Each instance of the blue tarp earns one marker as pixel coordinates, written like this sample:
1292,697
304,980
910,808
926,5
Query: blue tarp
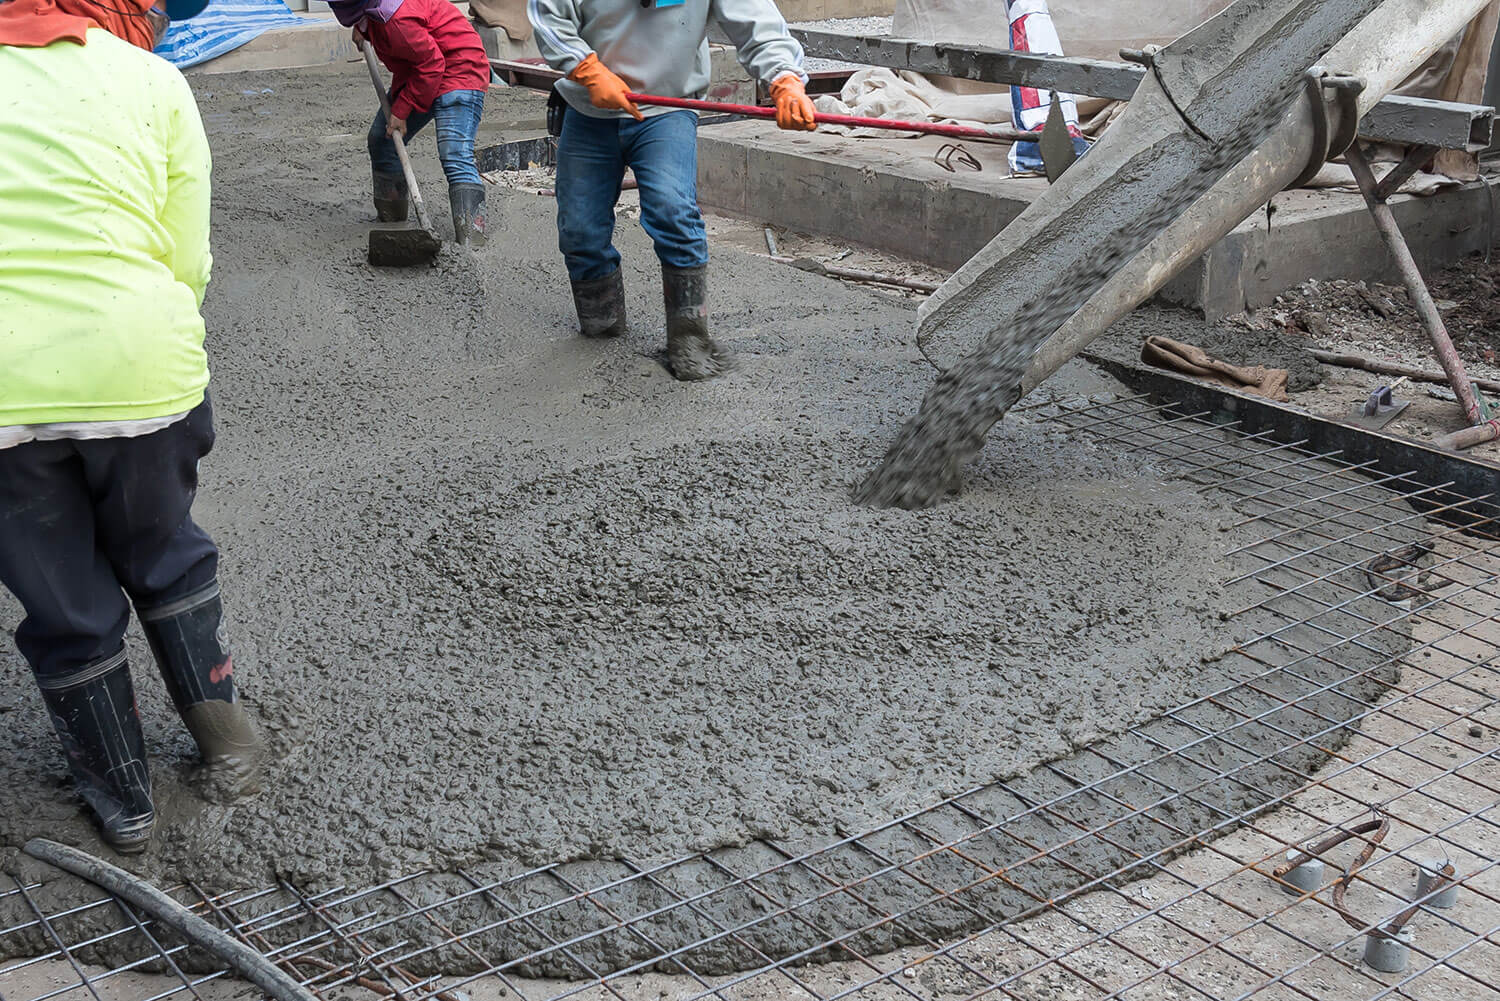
223,26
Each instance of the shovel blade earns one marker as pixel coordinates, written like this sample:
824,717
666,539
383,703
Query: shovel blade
1056,144
402,247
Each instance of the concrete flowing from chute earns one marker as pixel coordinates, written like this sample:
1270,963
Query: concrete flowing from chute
1213,97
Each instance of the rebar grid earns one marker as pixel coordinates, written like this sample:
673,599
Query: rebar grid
1135,868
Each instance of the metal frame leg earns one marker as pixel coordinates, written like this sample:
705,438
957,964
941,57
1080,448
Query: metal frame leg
1432,322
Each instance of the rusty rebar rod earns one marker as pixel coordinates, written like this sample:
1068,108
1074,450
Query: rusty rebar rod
1343,360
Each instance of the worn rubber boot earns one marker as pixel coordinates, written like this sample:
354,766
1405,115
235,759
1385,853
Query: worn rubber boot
601,305
390,197
93,710
691,352
467,202
187,636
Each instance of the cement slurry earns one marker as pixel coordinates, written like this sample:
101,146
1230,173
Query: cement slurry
503,597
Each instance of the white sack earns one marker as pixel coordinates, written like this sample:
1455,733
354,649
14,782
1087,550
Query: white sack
911,97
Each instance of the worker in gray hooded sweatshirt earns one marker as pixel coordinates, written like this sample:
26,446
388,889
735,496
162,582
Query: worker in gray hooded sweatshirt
609,49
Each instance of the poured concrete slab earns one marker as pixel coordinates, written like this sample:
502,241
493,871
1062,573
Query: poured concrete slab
503,597
887,194
890,194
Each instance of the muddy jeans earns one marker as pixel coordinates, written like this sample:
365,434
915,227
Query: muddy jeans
592,155
457,116
85,523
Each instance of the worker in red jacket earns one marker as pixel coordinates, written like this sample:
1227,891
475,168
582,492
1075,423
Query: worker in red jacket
439,73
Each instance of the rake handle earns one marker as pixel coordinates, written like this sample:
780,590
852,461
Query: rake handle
996,134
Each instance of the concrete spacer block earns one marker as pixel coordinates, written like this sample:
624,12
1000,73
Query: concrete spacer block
1428,876
1304,878
1387,954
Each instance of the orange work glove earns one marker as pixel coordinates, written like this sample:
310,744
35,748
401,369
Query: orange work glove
606,90
794,109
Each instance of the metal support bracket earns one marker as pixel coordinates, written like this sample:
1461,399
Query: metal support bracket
1415,159
1344,89
1397,119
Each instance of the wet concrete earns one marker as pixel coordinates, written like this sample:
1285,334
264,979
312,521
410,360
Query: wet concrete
504,597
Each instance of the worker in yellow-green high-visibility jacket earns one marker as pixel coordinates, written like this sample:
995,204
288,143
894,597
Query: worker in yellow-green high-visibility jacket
104,201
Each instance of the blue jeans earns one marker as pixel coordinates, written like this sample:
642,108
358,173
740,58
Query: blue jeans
592,155
457,115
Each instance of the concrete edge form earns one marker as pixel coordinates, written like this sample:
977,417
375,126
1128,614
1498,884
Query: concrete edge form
1256,416
319,41
1396,119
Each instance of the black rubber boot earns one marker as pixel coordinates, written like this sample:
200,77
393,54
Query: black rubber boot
691,352
390,197
187,637
467,203
93,710
601,305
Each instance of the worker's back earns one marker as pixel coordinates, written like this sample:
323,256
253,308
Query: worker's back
104,255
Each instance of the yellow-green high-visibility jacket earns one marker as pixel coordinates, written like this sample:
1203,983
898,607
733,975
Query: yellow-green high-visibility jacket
104,180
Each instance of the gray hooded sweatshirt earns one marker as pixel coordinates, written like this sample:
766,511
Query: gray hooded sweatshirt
659,48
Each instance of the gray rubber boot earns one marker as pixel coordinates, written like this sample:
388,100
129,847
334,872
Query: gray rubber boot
187,636
390,197
601,305
93,711
691,352
467,203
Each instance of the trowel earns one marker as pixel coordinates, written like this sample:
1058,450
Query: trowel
1381,408
400,246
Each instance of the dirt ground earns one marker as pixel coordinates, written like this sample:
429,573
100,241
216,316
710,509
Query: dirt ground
1377,321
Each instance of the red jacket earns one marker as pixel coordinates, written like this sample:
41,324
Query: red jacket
431,49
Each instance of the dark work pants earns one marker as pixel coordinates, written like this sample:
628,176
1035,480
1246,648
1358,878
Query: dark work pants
83,524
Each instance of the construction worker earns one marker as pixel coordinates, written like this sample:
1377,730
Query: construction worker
608,49
104,206
439,73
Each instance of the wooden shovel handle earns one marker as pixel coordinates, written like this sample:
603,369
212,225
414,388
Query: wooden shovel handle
385,105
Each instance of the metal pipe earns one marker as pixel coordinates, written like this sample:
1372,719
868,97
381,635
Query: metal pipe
855,274
1411,277
1396,38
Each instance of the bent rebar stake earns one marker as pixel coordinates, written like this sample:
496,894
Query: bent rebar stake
240,958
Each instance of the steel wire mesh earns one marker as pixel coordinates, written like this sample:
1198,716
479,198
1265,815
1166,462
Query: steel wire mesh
1141,866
